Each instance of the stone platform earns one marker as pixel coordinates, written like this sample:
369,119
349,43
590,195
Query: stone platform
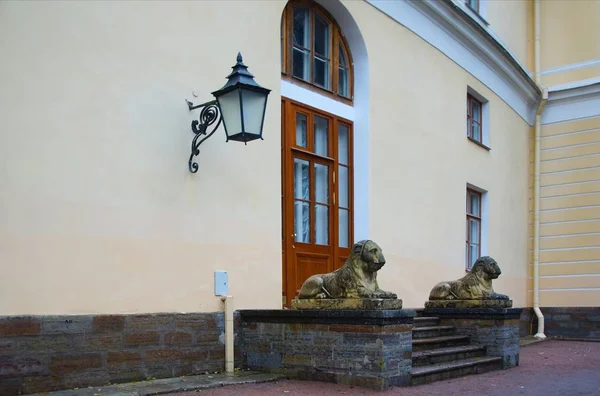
496,328
468,304
367,348
347,303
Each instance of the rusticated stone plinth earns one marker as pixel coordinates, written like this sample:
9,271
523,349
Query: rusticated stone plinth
347,303
367,348
494,327
468,304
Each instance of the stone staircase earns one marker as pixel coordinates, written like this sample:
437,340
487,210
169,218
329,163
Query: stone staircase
439,353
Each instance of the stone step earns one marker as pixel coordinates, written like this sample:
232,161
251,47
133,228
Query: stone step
424,344
441,355
424,321
443,371
432,331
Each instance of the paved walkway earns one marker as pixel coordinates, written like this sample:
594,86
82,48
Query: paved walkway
548,368
169,385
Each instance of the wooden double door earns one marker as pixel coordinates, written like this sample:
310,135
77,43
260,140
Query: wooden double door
316,193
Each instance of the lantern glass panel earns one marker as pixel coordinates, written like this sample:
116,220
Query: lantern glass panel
229,104
254,110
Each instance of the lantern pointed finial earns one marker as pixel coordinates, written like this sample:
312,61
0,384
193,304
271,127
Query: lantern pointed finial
239,58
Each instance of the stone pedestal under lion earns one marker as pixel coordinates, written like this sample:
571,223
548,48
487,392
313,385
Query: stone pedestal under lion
353,286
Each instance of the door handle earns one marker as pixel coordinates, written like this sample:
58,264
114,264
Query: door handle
294,235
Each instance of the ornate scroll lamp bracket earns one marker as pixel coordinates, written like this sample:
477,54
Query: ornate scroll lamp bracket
209,114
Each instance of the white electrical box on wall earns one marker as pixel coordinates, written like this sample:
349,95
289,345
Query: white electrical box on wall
221,283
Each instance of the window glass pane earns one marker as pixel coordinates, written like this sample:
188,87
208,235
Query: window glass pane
300,63
474,254
468,125
476,131
474,204
302,221
321,36
344,230
321,224
321,135
343,82
343,185
301,124
301,180
468,257
476,110
342,73
321,183
301,27
474,231
343,62
321,72
343,144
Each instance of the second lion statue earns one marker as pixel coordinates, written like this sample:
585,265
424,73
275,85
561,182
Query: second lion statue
476,285
357,278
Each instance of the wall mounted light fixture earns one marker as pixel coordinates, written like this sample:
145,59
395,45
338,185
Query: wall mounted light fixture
240,104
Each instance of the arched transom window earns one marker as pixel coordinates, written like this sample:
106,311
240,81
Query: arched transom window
313,49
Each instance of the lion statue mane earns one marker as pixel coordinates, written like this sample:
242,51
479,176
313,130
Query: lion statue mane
476,285
357,278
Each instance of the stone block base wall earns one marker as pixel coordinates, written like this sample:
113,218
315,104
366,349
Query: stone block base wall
570,322
496,328
371,349
45,353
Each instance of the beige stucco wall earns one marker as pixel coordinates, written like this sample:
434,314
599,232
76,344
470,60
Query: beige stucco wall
569,213
98,210
100,214
512,22
569,35
422,161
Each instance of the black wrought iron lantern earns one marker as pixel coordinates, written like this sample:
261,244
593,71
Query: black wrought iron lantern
241,105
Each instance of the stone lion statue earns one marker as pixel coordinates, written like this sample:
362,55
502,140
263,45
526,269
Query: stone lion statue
357,278
476,285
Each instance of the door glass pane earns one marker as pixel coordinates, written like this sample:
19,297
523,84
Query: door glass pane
301,124
321,36
321,224
343,185
300,63
301,179
343,230
321,135
321,183
343,144
474,231
302,221
301,27
474,199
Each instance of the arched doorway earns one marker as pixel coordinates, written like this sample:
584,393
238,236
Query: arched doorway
319,131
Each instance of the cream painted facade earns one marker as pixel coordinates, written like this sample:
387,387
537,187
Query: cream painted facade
99,214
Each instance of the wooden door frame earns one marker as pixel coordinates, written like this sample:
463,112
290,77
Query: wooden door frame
288,108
